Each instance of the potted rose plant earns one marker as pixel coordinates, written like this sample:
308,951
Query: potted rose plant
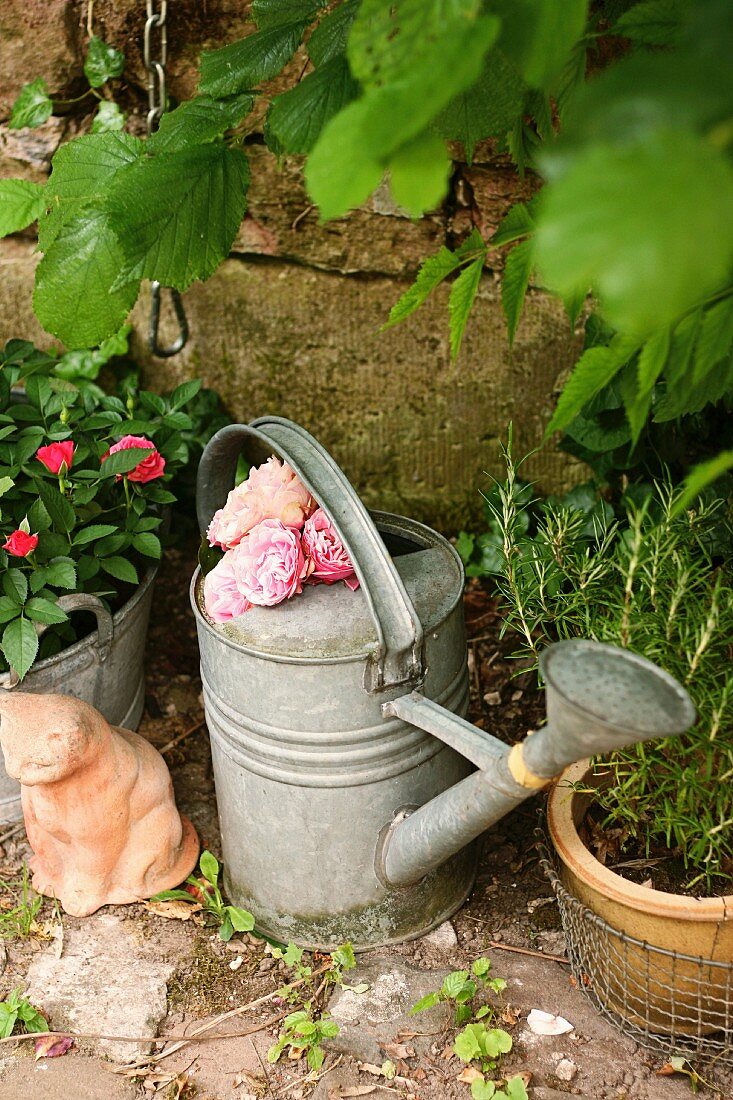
83,493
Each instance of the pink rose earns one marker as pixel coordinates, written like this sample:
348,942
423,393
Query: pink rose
269,564
272,491
55,455
20,543
150,467
326,551
222,599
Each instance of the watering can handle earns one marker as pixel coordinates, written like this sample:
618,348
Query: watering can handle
398,659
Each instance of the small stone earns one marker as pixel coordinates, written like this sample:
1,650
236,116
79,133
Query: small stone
442,938
565,1070
265,965
236,963
492,698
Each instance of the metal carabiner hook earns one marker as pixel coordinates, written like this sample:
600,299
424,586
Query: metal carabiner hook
180,342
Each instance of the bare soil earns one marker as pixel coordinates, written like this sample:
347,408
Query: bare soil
510,916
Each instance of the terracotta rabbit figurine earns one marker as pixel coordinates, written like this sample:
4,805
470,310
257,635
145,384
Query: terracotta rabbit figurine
97,801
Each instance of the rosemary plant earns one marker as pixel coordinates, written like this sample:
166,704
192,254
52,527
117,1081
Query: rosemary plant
648,582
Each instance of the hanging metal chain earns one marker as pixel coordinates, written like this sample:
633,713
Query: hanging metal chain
155,55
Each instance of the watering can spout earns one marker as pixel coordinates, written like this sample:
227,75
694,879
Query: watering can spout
599,698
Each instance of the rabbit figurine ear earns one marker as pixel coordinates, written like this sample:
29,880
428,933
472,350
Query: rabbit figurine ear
98,804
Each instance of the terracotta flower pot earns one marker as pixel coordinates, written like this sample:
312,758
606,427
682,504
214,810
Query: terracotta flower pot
690,995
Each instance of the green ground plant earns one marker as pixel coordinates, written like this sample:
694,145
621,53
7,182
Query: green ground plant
204,891
17,1013
654,583
477,1042
20,907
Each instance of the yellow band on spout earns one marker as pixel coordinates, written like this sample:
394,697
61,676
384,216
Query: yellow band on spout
521,773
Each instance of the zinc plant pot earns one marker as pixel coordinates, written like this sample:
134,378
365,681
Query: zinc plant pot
666,962
105,668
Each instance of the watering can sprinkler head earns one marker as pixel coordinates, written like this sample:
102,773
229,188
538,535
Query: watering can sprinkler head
599,698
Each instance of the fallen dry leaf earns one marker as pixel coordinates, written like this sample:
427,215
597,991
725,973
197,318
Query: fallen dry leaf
509,1016
544,1023
53,1046
525,1077
397,1050
175,910
470,1074
350,1090
368,1067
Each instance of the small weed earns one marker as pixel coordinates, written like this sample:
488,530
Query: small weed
19,908
17,1011
205,892
476,1042
304,1030
460,989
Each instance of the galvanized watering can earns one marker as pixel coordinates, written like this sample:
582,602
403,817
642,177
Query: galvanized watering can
350,789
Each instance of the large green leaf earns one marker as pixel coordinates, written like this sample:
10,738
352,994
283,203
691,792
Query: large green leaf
357,145
21,202
81,171
20,645
32,107
539,35
652,359
329,38
103,62
517,272
488,108
297,117
649,228
419,173
176,216
462,294
72,298
241,66
197,121
700,477
715,338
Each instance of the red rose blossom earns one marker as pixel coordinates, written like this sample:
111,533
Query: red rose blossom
20,543
55,455
150,467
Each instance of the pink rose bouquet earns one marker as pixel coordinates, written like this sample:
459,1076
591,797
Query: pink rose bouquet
276,538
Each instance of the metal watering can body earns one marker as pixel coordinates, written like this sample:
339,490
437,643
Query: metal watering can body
344,770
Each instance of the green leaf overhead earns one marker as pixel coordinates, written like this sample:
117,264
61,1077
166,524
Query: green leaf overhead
432,273
297,117
279,13
32,107
72,298
197,121
103,62
177,216
539,35
329,38
598,218
594,370
357,145
488,108
21,203
241,66
419,173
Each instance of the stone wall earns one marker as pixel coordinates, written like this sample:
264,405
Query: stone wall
290,322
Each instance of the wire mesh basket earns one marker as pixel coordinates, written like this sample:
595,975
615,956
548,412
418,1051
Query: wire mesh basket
667,1001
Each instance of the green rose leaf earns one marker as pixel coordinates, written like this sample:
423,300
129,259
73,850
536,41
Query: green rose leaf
21,203
20,645
148,544
32,107
94,531
121,569
44,611
61,573
103,62
58,507
122,462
